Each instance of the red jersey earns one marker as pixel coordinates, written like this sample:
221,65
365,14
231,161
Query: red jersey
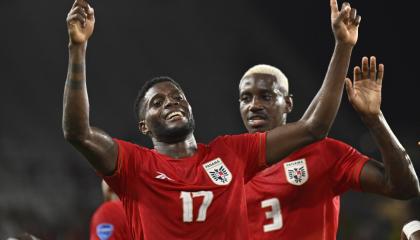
109,222
198,197
298,198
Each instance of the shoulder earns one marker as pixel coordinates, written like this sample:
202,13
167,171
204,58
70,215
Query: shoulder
236,138
126,149
129,145
327,144
108,207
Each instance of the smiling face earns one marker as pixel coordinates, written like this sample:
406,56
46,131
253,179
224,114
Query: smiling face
166,113
263,102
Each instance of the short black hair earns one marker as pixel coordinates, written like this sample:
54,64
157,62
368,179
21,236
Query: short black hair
138,108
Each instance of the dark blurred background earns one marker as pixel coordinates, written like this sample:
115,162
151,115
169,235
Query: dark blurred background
48,189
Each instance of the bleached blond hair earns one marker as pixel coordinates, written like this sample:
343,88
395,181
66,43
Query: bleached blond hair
271,70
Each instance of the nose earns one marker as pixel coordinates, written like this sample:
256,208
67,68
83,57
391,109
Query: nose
170,102
255,105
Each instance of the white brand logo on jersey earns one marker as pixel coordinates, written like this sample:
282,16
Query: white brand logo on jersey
104,231
163,176
296,172
218,172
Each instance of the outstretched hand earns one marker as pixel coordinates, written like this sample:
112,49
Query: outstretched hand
345,23
80,22
365,91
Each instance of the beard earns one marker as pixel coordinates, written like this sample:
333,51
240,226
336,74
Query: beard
174,134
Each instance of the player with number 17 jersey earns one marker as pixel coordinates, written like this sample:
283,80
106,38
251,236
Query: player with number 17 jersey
299,197
199,197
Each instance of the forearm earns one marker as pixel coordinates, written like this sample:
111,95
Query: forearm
319,116
400,178
75,102
322,111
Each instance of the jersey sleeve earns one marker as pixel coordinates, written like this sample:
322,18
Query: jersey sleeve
250,148
128,165
347,164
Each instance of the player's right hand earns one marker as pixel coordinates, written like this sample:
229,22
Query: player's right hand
345,23
80,22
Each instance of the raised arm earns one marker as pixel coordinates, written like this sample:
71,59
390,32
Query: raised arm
317,120
395,177
94,144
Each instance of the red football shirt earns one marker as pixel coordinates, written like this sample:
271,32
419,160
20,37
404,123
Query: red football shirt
199,197
109,222
298,198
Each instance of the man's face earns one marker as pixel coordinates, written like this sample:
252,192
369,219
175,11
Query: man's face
263,104
167,114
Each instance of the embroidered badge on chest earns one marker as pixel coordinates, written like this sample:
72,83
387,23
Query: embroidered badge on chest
296,172
218,172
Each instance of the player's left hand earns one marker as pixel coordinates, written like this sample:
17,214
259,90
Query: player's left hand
365,91
345,23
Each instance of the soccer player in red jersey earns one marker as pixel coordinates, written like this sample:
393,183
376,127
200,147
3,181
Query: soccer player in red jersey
181,189
109,221
299,197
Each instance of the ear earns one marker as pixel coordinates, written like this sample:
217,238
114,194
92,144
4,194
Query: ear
289,103
143,128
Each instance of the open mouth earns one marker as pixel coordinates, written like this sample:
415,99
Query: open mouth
174,115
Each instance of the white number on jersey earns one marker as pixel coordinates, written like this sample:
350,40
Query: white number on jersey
274,214
187,205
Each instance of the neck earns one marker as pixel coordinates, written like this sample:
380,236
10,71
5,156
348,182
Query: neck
111,197
181,149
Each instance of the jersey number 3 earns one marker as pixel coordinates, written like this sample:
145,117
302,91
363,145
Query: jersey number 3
187,205
274,214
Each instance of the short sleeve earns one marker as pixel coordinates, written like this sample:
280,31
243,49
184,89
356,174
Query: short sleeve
127,166
250,148
347,164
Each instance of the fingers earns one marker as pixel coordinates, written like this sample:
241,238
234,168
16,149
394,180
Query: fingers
380,73
353,14
365,68
77,14
357,74
349,88
372,68
334,6
81,3
357,21
344,13
76,17
81,11
90,12
369,70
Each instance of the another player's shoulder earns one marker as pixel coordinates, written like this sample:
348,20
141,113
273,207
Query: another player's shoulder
111,211
328,144
236,138
109,206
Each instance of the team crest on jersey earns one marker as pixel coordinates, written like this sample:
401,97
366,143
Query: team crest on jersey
104,231
218,172
296,172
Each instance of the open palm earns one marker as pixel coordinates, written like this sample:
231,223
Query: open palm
365,91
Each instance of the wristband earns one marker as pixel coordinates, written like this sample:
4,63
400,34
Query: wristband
411,228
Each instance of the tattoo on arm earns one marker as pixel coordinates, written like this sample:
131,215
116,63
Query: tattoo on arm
77,67
75,84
